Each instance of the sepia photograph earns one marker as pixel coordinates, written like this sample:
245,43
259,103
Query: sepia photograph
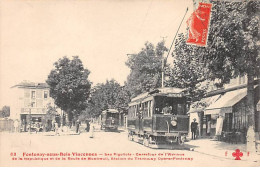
129,83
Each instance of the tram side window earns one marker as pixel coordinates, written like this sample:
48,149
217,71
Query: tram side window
145,109
151,108
132,111
129,111
135,110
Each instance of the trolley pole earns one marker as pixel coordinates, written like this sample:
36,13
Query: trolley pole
162,72
30,117
171,48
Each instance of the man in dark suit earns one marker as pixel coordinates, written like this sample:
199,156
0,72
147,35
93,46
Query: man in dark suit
194,126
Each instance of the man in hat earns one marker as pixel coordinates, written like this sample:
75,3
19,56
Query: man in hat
166,110
194,126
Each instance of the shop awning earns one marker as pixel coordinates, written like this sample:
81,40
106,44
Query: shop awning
258,106
226,102
203,103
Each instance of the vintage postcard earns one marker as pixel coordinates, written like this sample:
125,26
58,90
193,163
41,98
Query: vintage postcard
129,83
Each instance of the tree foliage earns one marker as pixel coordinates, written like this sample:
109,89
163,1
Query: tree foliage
232,48
109,95
146,67
51,111
5,111
188,70
69,85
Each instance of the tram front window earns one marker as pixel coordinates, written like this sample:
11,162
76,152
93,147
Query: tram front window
112,115
169,106
167,110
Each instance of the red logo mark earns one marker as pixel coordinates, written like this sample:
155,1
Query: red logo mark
198,24
237,154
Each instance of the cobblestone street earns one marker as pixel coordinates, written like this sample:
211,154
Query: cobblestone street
113,147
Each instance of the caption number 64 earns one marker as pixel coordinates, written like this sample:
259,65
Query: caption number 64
12,154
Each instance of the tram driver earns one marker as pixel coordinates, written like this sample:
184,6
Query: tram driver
167,109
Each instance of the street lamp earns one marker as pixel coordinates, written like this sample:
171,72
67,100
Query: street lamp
30,116
130,54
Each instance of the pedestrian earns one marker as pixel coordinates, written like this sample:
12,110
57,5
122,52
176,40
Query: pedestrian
56,126
77,126
194,126
16,125
92,128
88,126
219,127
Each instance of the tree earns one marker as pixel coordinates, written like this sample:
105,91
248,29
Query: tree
123,98
5,111
188,71
146,67
50,116
85,115
51,111
233,47
108,96
69,85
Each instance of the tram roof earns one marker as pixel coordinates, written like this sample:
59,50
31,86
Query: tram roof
110,111
167,91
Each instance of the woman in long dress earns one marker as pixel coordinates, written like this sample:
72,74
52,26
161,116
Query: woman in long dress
92,128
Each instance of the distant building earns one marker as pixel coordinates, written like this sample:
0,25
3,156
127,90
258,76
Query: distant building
29,106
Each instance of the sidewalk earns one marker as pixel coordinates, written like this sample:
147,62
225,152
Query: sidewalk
219,149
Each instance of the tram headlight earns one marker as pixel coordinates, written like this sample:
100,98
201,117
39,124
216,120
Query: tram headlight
174,123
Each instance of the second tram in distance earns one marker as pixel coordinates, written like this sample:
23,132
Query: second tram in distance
109,120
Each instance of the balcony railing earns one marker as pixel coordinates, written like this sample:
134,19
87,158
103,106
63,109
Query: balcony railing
33,110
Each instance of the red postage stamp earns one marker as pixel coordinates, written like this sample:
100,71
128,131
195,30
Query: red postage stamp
198,24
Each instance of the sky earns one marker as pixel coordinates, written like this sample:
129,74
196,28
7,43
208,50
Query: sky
36,33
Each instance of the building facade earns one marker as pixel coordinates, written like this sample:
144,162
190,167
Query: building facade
30,104
222,113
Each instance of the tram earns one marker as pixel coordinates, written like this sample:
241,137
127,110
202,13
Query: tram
158,119
109,120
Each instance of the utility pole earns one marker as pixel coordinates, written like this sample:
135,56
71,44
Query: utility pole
30,117
30,121
163,37
162,72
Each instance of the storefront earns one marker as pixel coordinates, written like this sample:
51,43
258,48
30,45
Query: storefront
258,120
197,112
33,122
228,116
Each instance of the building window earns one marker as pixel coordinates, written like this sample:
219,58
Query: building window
45,94
33,104
33,94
